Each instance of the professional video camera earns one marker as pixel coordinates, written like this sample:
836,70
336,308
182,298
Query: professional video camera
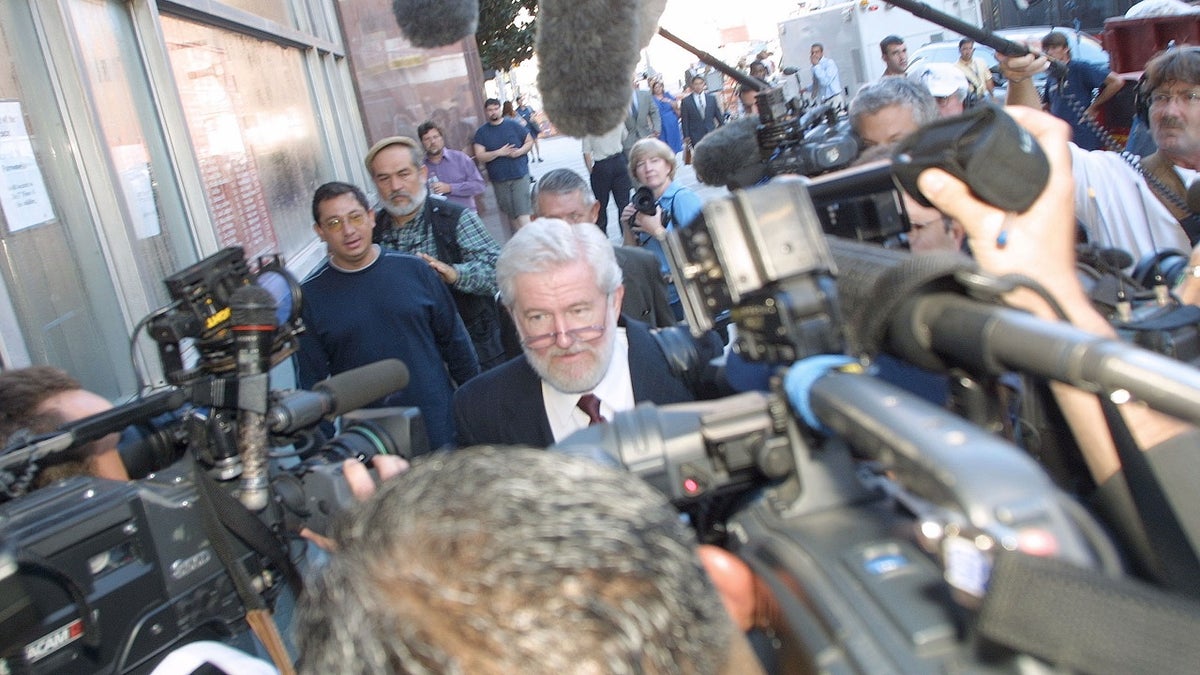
109,576
893,534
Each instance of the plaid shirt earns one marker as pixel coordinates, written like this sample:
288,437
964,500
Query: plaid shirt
476,272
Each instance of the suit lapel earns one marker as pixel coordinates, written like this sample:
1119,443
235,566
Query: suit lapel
525,406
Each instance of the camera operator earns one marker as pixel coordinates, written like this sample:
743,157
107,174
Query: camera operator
652,165
1141,209
1040,244
890,109
40,399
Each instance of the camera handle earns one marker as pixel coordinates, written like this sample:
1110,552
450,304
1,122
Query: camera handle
221,515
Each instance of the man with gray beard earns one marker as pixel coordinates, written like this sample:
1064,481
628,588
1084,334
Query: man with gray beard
583,361
451,239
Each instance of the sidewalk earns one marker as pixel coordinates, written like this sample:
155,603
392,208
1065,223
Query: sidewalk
564,152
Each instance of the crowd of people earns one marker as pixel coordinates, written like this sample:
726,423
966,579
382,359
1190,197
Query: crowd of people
503,559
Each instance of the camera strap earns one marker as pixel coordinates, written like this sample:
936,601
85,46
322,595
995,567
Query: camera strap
1082,621
222,514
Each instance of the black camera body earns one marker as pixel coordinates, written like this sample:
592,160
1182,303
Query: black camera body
101,576
121,574
644,201
805,142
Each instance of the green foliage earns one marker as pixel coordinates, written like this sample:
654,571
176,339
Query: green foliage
503,44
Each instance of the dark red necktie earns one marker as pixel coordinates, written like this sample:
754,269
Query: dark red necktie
590,404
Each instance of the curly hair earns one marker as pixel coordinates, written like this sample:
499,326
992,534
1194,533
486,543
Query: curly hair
499,560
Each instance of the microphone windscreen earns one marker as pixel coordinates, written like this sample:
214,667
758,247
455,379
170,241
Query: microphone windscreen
434,23
649,12
729,157
252,306
1193,197
1115,258
361,386
873,283
587,50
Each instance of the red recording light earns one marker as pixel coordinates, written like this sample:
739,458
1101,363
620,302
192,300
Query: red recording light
691,485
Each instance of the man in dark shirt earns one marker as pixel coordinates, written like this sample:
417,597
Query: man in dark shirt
1070,98
503,145
364,304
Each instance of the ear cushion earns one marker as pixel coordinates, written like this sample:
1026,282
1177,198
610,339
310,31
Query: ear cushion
1164,262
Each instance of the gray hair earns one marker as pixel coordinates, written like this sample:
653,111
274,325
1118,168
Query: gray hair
563,182
893,91
501,560
549,243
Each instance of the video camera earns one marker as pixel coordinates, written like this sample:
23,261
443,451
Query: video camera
104,576
886,527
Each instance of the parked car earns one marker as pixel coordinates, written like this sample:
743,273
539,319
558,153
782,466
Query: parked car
1083,47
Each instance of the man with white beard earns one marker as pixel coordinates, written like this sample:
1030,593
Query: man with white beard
451,239
584,362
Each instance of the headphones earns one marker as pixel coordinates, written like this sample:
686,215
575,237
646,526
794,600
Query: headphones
1141,101
1141,96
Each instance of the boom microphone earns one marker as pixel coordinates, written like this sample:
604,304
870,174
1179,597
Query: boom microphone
729,156
594,41
252,319
434,23
919,313
338,395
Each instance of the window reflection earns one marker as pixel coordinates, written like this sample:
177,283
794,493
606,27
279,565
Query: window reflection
155,225
252,124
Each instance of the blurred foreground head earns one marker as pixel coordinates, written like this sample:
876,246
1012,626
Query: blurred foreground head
491,560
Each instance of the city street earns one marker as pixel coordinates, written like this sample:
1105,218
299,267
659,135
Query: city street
564,152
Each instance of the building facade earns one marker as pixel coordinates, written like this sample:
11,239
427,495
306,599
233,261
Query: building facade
140,136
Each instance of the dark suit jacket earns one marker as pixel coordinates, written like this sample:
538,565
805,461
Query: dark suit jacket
695,125
647,124
504,406
645,289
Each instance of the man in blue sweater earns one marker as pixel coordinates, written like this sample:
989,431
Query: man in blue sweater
364,304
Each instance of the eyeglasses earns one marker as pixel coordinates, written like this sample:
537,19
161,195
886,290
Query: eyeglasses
335,224
582,334
1187,98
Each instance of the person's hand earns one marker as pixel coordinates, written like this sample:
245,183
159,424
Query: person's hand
744,595
1188,289
444,270
440,188
1021,68
362,486
648,224
508,150
1089,113
1039,243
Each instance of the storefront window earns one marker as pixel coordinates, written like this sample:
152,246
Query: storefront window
57,302
253,126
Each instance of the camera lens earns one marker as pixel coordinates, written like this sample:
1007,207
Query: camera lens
361,441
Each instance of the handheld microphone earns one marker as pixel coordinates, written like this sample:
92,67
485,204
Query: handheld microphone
434,23
252,317
338,395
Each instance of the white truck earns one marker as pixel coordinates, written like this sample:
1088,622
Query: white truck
850,33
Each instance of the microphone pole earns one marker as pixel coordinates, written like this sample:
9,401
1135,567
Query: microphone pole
252,315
